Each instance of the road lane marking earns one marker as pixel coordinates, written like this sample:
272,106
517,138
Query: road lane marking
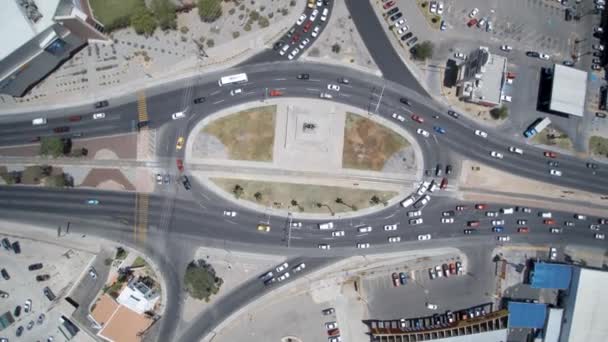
249,93
215,92
345,95
313,89
217,102
280,79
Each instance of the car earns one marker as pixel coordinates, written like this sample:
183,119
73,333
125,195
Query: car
307,26
412,41
393,11
472,22
433,7
431,306
314,15
325,95
159,178
16,247
550,154
523,230
594,226
363,245
569,223
19,331
406,36
365,229
517,150
554,172
303,76
301,19
602,221
544,56
5,274
416,213
311,4
524,209
496,155
333,87
42,277
591,166
92,273
390,227
101,104
599,236
324,246
580,217
337,233
549,221
398,117
470,231
402,278
40,319
230,213
553,253
473,12
395,278
178,115
388,5
331,325
439,130
237,91
393,239
448,213
506,48
296,224
503,238
180,143
460,55
263,228
444,183
30,325
453,114
328,311
473,223
480,206
446,270
440,8
402,29
498,222
399,23
180,164
498,229
396,16
405,101
284,276
92,202
596,67
522,222
27,306
186,182
507,98
416,221
417,118
555,230
553,163
17,311
424,237
98,116
423,132
304,43
447,220
35,266
533,54
61,129
481,133
443,26
432,273
266,275
491,213
598,47
282,267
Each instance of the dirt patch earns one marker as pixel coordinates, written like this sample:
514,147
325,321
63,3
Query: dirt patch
552,136
598,146
98,177
304,198
368,144
247,135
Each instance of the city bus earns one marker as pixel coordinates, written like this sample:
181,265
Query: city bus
238,78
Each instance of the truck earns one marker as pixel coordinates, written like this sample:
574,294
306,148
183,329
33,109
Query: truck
537,127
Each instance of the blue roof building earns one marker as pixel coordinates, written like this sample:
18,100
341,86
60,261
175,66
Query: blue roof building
527,315
551,276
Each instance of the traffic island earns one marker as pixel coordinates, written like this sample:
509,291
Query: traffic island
554,137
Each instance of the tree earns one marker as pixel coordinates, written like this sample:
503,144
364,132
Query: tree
374,200
335,48
51,146
294,202
56,181
201,281
143,21
165,14
209,10
423,51
238,191
339,200
501,112
258,196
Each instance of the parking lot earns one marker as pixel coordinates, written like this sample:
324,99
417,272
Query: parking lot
63,267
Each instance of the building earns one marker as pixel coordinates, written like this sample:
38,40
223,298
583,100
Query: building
527,315
138,297
551,276
481,78
37,36
567,91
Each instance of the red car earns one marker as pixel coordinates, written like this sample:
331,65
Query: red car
307,26
511,75
396,282
75,118
389,5
295,38
444,183
550,154
417,118
461,207
523,230
275,92
480,206
473,223
180,165
452,268
472,22
549,221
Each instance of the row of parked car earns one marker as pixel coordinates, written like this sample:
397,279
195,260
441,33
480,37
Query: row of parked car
281,274
399,23
446,270
320,9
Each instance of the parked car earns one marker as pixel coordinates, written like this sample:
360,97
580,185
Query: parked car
5,274
35,266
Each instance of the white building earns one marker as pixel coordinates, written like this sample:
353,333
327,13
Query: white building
138,297
481,78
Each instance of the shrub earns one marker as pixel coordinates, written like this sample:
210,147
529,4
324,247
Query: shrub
200,280
236,34
165,13
423,51
143,21
263,22
209,10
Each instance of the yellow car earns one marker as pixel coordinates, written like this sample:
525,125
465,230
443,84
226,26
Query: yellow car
264,228
311,4
180,143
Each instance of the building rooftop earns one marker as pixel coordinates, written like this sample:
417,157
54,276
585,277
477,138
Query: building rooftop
527,315
23,29
588,322
568,90
125,326
551,276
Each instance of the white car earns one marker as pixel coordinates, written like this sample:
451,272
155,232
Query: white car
433,7
509,81
544,56
496,155
304,43
517,150
293,53
314,14
399,23
333,87
324,246
324,14
299,267
178,115
491,213
599,236
296,224
229,213
424,237
553,253
282,267
440,8
393,239
398,117
27,307
506,98
390,227
556,230
402,30
481,133
416,221
506,48
92,273
301,19
283,277
315,32
337,233
498,222
236,91
416,213
363,245
594,227
460,55
97,116
284,49
365,229
473,12
431,306
556,173
447,220
319,3
331,325
422,132
503,238
580,217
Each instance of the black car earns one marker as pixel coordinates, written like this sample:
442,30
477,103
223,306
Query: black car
597,54
533,54
343,80
43,277
5,274
269,281
393,11
101,104
19,331
591,166
303,76
328,311
448,169
278,45
453,114
396,16
61,129
438,170
598,114
17,311
199,100
49,294
568,15
16,247
407,36
470,231
291,32
186,182
412,41
35,266
405,101
553,163
6,244
568,63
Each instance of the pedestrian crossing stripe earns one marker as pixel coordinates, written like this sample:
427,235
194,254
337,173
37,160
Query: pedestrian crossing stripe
142,108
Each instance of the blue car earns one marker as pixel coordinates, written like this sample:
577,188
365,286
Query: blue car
93,202
403,278
439,130
498,229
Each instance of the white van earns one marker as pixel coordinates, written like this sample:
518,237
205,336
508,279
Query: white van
39,121
328,225
433,186
507,211
545,215
422,201
407,202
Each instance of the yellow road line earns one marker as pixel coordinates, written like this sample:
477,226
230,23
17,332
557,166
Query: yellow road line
140,228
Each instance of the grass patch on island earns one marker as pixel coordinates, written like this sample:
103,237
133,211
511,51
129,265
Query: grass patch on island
114,13
598,146
552,136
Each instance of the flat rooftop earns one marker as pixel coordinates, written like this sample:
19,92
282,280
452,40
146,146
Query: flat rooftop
590,308
568,90
492,79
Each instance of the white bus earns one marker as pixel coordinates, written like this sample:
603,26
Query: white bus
238,78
